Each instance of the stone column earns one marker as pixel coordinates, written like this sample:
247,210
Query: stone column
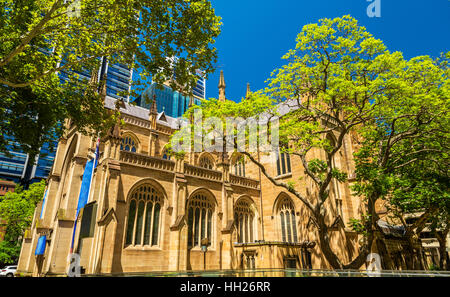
74,184
152,143
101,205
178,234
227,227
109,245
52,191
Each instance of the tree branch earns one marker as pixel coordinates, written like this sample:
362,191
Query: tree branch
277,183
30,35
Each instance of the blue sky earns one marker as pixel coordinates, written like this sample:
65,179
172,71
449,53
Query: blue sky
256,34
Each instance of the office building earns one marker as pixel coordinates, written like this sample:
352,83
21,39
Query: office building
172,102
19,168
118,78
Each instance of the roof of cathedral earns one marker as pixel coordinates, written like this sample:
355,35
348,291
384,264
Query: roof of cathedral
166,120
142,113
163,119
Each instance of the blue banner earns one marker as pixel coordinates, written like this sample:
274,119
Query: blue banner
40,248
85,185
84,194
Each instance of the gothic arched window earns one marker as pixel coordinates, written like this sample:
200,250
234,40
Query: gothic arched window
288,221
200,211
144,216
238,167
283,164
244,221
206,162
165,155
129,143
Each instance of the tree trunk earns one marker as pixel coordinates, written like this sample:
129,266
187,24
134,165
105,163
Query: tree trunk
324,243
448,261
384,254
415,255
332,258
420,258
443,255
324,240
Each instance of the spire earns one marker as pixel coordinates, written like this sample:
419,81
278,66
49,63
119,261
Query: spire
222,87
119,104
92,84
221,80
103,87
153,108
114,131
94,77
153,113
247,93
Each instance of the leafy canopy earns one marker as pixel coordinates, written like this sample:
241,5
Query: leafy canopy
39,39
16,210
341,84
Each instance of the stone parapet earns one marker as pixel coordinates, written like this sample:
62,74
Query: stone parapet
203,173
244,181
146,161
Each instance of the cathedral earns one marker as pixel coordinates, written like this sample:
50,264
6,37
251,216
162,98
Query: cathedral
146,211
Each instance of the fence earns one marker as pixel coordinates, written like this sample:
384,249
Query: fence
286,273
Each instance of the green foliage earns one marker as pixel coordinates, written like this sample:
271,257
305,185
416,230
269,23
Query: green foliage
9,252
357,225
434,267
403,155
290,185
171,152
317,166
17,209
339,175
340,82
40,39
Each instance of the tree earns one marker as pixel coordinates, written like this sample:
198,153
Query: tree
418,188
406,158
17,209
339,80
403,157
40,39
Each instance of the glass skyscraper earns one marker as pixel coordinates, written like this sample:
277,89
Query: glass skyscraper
12,167
200,88
118,79
18,167
173,103
44,162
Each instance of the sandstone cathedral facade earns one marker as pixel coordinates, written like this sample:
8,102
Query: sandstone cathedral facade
149,212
